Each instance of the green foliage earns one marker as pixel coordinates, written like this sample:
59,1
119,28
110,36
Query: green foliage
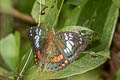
23,60
90,75
50,14
42,2
6,21
5,4
25,6
117,3
96,19
117,76
10,50
93,16
75,2
89,14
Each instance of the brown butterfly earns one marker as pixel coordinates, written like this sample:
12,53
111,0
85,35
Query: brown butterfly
53,51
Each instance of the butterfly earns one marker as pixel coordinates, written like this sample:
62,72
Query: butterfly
53,51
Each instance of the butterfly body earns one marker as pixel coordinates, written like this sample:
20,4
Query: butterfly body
53,50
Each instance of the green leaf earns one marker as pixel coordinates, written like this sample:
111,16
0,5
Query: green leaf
6,24
24,7
93,16
25,48
17,37
69,16
5,4
10,50
75,2
50,10
117,76
90,75
6,74
23,61
85,63
42,1
100,20
117,3
3,71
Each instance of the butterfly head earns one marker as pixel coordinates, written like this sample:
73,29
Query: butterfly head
52,31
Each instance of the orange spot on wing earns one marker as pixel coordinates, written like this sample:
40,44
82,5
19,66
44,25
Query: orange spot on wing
39,55
61,56
36,62
60,67
56,59
35,56
52,60
63,65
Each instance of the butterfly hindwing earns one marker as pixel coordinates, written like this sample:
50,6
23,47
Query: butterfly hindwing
71,44
55,59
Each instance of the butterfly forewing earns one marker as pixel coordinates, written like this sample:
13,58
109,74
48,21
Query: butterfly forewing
55,59
37,37
71,44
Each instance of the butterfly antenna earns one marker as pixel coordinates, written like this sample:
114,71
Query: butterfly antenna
39,15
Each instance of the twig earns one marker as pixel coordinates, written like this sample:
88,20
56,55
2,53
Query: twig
24,65
17,14
39,15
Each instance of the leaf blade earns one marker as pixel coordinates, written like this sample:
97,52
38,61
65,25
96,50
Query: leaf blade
10,50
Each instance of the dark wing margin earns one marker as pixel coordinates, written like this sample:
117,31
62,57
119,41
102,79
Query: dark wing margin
71,44
36,36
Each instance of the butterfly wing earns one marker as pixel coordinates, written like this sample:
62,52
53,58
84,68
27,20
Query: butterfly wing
66,48
55,59
71,44
37,39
